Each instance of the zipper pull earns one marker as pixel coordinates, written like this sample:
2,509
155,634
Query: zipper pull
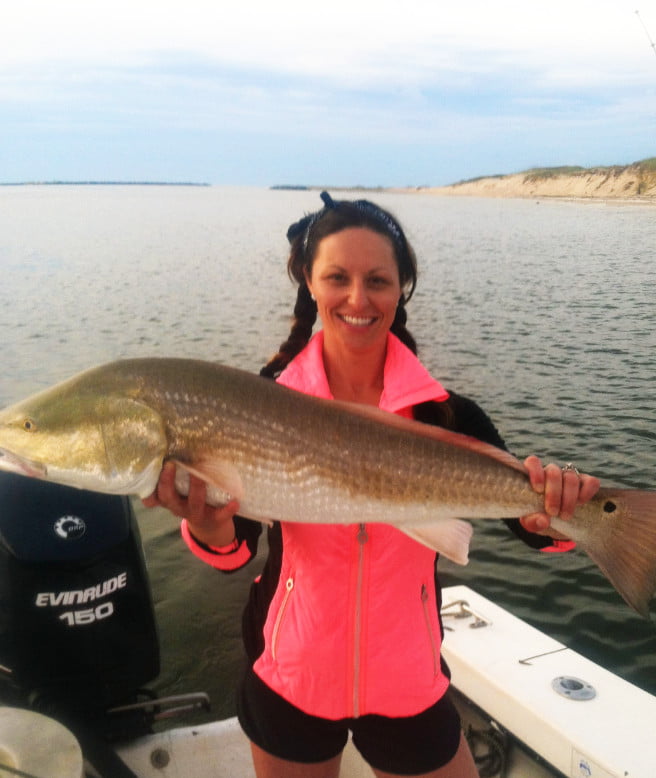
363,537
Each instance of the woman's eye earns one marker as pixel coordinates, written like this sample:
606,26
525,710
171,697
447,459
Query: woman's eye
378,281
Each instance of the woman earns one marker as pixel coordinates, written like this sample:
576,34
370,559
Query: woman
342,630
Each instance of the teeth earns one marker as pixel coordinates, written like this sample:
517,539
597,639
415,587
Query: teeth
357,321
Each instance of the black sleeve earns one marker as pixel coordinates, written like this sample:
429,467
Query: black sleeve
260,595
249,531
471,419
462,415
468,418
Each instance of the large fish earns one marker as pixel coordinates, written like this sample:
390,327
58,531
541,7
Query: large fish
287,456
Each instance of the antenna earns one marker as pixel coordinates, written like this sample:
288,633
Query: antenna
644,27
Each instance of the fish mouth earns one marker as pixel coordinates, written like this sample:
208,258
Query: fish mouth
13,463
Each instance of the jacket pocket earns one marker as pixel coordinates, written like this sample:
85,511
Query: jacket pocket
426,606
280,617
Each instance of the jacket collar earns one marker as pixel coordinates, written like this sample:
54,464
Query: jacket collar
406,381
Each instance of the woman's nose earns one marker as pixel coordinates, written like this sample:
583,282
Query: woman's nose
357,294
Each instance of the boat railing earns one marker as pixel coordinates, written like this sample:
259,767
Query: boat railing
167,707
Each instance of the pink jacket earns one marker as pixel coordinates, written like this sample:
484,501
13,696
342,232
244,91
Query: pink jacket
353,626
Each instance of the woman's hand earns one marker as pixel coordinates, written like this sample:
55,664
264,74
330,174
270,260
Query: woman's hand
563,491
212,526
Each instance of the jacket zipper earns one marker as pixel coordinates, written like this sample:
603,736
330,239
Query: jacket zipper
362,538
289,585
431,636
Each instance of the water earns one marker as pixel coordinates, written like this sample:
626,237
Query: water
542,312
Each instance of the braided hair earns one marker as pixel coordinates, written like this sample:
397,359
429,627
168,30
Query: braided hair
304,237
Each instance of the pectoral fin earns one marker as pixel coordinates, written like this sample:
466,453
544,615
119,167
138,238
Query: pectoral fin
449,537
223,479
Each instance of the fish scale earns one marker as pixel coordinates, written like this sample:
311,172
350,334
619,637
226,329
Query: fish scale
291,457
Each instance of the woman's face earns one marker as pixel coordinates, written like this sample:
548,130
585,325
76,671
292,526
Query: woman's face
355,281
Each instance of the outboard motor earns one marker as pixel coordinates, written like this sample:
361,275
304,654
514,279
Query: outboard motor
77,624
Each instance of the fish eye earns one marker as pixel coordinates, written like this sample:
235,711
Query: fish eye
29,425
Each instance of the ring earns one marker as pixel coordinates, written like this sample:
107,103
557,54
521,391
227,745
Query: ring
570,468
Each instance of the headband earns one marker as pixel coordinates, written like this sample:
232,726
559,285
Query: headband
304,225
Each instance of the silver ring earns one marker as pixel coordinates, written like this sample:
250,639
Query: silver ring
570,468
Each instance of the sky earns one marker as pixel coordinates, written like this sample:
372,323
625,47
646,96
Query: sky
339,92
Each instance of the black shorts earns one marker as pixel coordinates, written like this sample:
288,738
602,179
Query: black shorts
406,746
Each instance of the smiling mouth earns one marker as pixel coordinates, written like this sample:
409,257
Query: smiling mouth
358,321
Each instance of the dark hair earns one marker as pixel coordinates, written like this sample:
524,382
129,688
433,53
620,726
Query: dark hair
305,236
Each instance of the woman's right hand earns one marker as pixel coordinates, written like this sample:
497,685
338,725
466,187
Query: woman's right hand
212,525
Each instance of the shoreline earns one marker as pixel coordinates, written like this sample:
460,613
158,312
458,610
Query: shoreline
631,184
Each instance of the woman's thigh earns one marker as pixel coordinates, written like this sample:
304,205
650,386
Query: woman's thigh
461,766
269,766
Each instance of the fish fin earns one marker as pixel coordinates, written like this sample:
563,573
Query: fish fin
217,496
436,433
449,537
146,484
624,546
221,475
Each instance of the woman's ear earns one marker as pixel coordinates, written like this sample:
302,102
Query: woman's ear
308,282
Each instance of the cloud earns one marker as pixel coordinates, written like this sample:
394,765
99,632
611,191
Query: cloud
301,84
362,42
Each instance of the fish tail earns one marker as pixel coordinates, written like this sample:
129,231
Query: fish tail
625,548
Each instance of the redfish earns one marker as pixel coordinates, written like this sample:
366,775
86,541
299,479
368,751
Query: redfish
291,457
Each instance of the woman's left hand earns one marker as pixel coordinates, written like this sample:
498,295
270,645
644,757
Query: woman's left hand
563,491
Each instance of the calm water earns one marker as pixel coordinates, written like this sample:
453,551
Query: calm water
543,312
